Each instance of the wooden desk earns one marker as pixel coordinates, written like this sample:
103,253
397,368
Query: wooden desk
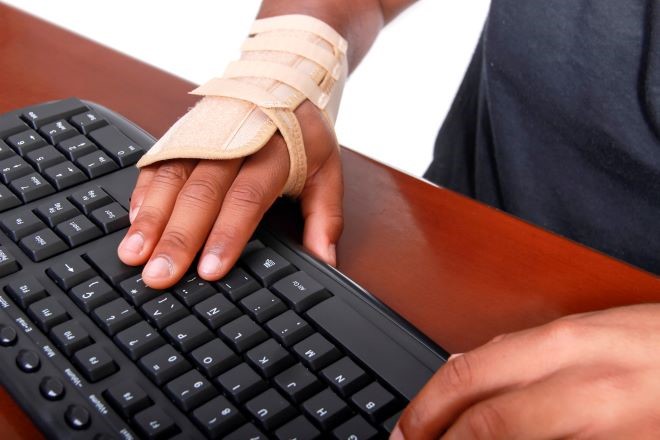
458,270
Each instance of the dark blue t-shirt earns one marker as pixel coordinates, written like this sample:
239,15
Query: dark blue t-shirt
558,122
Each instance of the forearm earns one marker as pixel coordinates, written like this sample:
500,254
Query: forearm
358,21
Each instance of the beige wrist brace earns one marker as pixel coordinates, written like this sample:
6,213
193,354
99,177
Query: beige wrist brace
284,61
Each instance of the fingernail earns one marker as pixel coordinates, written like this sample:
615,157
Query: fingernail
159,267
396,434
332,253
133,212
210,264
455,355
133,243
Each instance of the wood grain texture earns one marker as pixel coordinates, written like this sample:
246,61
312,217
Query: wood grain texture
458,270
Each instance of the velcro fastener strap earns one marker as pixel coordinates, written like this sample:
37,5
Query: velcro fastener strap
282,73
231,88
298,47
300,23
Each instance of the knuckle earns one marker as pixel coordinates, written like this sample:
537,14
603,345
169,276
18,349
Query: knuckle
247,195
458,373
485,421
175,238
563,332
200,192
148,217
171,173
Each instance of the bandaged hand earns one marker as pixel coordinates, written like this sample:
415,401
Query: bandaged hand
208,182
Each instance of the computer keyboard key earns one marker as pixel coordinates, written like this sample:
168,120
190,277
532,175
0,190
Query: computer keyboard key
270,409
262,305
390,362
56,211
241,383
47,313
19,224
253,245
269,358
25,291
118,146
8,199
10,124
190,390
299,428
375,402
136,291
316,351
42,114
389,424
88,121
355,428
192,290
300,291
78,230
96,164
127,398
8,336
188,333
57,131
31,187
13,168
268,266
138,340
163,311
28,361
110,218
214,358
298,383
77,417
164,364
237,284
64,175
51,388
70,337
345,377
5,150
105,260
115,316
89,199
216,311
154,424
92,294
217,417
289,328
77,146
242,333
246,432
26,141
70,272
42,244
44,157
94,363
326,409
8,263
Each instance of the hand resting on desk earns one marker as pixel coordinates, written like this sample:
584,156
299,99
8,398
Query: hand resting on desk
593,375
181,206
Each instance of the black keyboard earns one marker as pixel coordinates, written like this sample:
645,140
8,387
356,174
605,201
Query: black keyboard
282,347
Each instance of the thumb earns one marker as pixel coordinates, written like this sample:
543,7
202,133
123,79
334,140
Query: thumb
321,203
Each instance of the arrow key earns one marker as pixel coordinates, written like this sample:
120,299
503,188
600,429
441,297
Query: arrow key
71,272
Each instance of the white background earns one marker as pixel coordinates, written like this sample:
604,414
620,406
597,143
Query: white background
393,104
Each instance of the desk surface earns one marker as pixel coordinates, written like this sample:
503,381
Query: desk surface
458,270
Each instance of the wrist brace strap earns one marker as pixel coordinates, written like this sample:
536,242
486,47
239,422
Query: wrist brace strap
284,61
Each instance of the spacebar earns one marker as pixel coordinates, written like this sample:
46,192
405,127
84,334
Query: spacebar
369,344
